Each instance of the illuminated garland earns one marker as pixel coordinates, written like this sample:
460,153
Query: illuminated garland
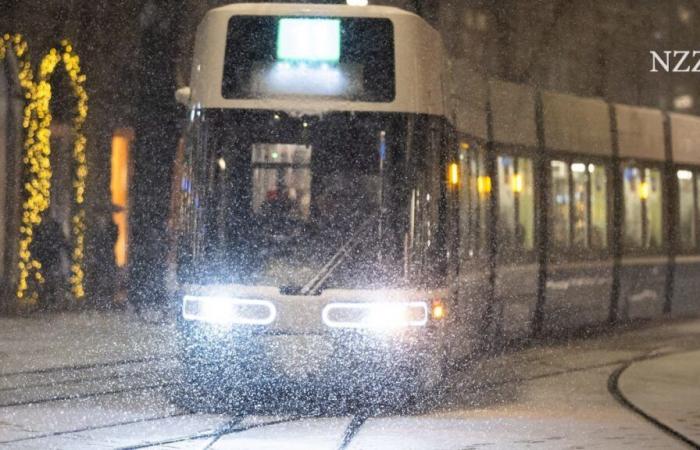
36,159
37,146
71,63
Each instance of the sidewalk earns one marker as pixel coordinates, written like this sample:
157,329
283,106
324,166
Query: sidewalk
49,340
668,390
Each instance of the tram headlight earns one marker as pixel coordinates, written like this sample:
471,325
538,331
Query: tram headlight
375,315
228,310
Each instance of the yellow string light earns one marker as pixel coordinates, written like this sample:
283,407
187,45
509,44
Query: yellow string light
37,146
71,63
35,159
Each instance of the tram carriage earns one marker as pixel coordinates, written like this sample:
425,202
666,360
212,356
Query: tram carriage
332,225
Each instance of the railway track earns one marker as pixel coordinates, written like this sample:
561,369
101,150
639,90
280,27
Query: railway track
225,426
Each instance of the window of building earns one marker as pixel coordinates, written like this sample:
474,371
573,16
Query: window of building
686,209
579,205
643,203
516,215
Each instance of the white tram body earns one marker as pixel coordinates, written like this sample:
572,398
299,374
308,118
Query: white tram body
419,61
310,236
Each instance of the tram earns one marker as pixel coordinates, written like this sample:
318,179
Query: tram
330,224
312,234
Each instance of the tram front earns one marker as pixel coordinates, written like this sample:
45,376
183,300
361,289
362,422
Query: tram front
311,235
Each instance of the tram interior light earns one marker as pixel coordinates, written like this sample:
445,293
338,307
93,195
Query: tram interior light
685,175
453,175
517,183
578,167
311,40
483,185
644,190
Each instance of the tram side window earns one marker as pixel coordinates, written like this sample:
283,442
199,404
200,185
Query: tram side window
578,206
515,204
579,174
560,204
687,219
599,206
475,188
654,209
643,208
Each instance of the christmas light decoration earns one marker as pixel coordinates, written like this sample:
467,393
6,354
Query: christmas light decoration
37,150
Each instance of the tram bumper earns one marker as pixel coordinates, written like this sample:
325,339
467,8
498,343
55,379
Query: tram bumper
332,340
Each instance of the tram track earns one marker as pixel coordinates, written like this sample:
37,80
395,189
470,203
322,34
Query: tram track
69,397
113,373
231,427
95,428
53,384
354,426
85,366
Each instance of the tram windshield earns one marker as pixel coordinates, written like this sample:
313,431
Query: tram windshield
288,198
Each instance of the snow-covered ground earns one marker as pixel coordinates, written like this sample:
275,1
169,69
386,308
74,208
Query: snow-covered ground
101,380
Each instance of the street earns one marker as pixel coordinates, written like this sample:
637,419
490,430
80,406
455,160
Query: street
106,386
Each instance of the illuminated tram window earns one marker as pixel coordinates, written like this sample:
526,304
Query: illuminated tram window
559,202
579,175
654,238
642,194
599,206
686,192
473,200
515,203
282,180
579,205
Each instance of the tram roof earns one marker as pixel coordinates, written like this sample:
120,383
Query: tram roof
419,60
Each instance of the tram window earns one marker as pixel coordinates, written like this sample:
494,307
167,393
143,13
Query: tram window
654,209
560,204
525,185
599,206
643,208
281,179
579,205
686,193
515,203
632,184
506,200
473,199
579,175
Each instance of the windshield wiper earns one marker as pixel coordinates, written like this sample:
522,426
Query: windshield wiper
314,285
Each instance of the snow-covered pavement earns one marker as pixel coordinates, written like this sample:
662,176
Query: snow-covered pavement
102,380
